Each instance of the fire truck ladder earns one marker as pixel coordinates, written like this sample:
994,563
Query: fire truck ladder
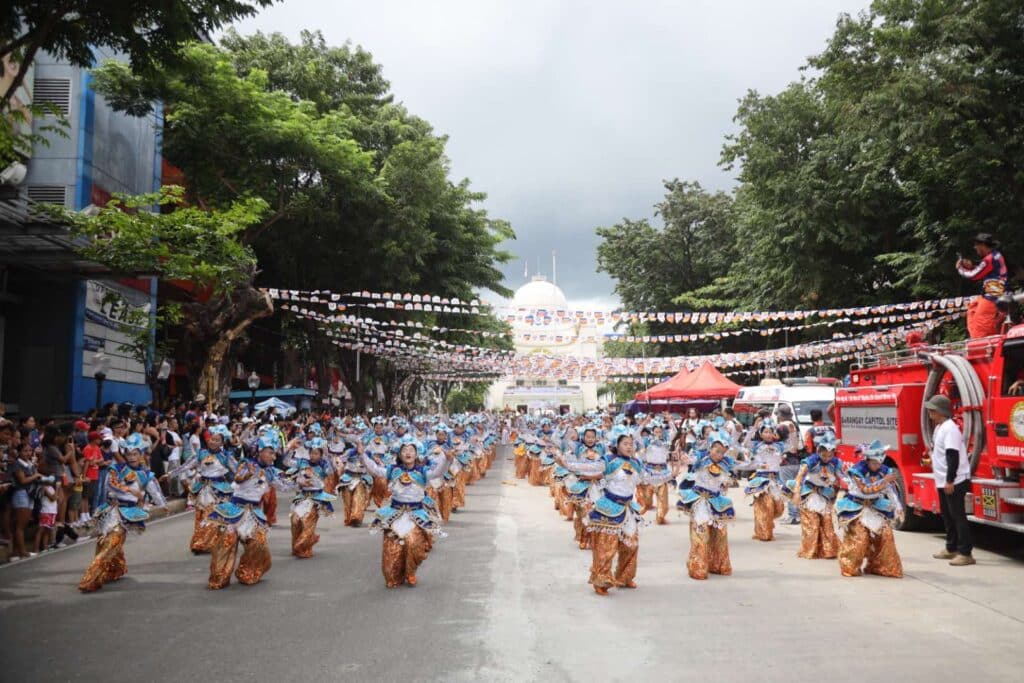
972,396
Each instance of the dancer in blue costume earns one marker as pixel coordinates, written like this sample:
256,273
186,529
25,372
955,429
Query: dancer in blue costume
127,488
703,498
615,520
866,515
764,486
242,520
814,493
311,502
404,520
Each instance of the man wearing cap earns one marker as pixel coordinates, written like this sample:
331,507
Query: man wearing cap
952,479
983,315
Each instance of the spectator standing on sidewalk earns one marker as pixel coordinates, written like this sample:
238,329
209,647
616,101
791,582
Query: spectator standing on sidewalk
25,481
93,456
952,479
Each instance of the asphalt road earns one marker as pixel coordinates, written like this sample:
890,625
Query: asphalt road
505,598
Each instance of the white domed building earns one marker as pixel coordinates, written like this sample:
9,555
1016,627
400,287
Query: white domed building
555,339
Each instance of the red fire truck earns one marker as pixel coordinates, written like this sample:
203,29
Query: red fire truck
985,380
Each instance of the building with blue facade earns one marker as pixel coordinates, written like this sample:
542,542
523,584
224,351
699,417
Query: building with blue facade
56,310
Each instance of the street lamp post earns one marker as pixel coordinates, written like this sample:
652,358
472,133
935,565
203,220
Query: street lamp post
100,366
254,384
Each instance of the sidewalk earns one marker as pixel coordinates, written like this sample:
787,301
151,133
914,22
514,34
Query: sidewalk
174,506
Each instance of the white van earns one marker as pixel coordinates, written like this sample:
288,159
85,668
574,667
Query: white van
801,394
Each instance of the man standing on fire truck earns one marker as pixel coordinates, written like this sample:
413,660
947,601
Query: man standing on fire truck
952,479
983,315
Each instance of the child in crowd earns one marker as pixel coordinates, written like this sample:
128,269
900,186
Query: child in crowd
46,535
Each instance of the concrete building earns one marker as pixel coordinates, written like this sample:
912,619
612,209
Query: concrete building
56,310
559,339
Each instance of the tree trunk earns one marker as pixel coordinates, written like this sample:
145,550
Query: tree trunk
232,317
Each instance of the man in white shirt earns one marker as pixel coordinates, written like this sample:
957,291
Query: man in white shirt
952,479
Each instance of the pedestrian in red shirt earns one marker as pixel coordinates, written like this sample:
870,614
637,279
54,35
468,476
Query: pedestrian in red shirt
93,459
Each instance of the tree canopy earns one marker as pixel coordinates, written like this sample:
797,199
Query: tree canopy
358,189
860,182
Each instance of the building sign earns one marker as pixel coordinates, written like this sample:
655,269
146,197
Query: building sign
864,424
109,308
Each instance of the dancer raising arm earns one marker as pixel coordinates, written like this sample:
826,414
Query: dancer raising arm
405,522
127,488
615,520
702,497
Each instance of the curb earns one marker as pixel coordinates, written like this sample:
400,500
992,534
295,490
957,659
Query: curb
175,506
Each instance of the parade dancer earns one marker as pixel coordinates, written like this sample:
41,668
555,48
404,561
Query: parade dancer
310,503
614,521
584,490
242,520
355,486
656,473
536,476
430,453
127,488
214,469
769,498
376,443
560,475
448,491
336,448
702,497
814,493
866,515
266,458
521,458
406,524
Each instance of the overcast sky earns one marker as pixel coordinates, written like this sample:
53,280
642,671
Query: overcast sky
569,114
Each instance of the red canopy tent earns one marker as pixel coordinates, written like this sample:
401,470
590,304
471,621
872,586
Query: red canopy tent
666,389
706,382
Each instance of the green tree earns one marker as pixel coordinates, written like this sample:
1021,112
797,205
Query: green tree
329,77
466,398
189,246
935,92
148,33
860,185
359,189
652,265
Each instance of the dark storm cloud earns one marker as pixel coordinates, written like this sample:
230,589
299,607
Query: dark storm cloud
570,114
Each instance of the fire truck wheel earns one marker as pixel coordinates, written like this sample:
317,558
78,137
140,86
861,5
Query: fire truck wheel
911,520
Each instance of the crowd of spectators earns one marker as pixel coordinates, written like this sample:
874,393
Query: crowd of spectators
53,472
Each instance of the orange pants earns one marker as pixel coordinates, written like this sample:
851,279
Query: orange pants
203,535
766,509
304,535
401,557
606,549
254,564
709,552
269,504
880,552
818,538
355,501
984,318
108,563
